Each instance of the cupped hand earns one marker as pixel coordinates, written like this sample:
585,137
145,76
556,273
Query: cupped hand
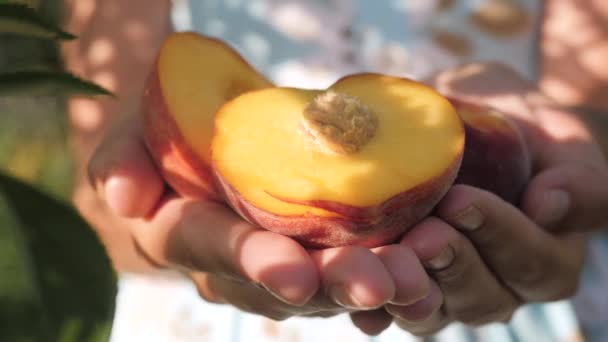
569,187
489,257
231,261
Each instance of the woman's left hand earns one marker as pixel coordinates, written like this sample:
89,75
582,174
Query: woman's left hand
488,257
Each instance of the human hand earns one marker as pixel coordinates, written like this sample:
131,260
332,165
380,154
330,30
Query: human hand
351,277
488,259
569,187
231,261
510,259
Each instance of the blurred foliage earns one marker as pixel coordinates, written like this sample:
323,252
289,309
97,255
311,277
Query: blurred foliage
56,283
23,20
61,286
33,139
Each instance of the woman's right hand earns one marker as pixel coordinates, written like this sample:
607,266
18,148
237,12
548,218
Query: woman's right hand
230,260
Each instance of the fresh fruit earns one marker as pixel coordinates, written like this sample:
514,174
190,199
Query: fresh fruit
193,76
495,157
358,163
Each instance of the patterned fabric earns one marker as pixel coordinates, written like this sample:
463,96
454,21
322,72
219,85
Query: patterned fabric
311,43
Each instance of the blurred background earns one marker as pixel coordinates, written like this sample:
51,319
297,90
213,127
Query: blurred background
33,140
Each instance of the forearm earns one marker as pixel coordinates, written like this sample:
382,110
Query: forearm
117,44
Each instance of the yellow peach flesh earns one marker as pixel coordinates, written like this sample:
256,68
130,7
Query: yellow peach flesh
194,88
259,150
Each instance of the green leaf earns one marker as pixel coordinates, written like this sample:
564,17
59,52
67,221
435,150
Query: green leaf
22,20
34,82
56,282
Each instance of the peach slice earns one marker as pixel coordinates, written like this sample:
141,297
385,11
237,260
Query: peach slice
496,157
193,76
358,163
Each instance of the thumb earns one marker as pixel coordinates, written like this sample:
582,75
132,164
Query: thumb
123,173
568,197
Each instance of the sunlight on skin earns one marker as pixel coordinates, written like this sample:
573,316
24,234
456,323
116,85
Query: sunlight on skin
106,79
594,59
118,57
554,49
473,79
83,10
101,52
573,55
85,115
136,29
568,93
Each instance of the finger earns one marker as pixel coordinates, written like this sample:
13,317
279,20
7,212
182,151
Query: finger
526,258
423,318
123,172
373,322
202,282
410,279
354,277
423,329
208,237
252,298
244,296
471,293
571,188
421,311
428,327
568,197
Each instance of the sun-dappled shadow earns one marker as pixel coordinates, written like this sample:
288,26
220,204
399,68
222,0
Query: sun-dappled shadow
573,53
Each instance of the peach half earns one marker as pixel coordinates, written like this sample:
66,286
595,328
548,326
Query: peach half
356,164
193,76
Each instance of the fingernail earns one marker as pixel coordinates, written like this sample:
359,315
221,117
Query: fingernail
278,295
344,298
469,219
554,208
442,261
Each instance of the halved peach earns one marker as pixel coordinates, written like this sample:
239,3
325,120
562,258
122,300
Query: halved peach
193,76
358,163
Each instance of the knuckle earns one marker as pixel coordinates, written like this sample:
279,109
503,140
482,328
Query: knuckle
459,268
452,275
